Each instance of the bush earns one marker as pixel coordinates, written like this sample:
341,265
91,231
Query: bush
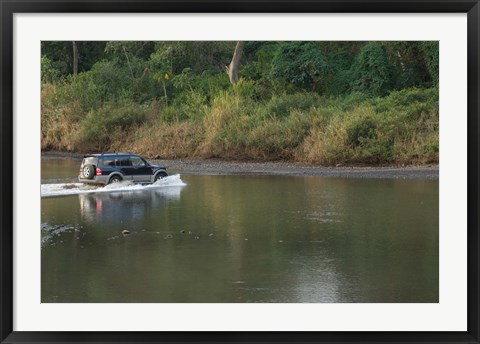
108,124
284,105
49,73
164,140
400,128
360,131
189,105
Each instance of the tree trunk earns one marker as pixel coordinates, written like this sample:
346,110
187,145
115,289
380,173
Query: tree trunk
235,64
128,62
165,92
75,58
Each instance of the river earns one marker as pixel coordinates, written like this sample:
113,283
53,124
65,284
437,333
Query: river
238,238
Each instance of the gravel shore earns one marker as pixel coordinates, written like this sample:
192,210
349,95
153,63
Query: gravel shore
224,167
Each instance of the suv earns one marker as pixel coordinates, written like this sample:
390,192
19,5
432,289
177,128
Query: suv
109,168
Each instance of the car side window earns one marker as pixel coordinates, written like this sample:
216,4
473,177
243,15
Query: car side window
108,162
137,161
124,161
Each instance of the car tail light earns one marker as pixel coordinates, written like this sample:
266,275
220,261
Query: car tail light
99,172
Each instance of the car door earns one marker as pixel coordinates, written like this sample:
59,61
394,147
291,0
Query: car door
124,164
143,171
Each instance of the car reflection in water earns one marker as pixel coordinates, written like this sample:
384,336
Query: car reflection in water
131,205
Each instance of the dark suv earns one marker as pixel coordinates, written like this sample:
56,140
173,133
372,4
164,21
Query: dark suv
109,168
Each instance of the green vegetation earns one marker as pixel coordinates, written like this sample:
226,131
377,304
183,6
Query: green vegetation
318,102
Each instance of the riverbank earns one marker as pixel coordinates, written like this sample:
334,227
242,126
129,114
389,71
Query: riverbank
224,167
398,129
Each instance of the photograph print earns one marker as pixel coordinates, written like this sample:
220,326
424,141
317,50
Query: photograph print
239,172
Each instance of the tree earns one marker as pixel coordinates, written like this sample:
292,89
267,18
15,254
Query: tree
408,62
372,71
235,63
75,58
61,55
431,58
300,63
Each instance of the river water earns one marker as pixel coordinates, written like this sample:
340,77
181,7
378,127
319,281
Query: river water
238,238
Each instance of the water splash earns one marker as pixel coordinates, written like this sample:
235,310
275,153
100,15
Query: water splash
65,189
49,232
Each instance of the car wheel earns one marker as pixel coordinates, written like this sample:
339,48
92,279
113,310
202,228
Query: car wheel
115,179
88,171
160,175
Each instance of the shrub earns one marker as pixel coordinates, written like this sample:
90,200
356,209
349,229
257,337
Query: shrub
164,140
190,105
400,128
108,124
284,105
49,72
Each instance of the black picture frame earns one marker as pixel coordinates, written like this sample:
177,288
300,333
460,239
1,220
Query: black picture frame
7,174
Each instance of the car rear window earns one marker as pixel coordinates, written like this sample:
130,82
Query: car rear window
91,160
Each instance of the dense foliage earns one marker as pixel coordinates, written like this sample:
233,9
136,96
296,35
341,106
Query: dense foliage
321,102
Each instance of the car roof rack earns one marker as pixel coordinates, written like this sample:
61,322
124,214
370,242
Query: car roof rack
102,154
116,153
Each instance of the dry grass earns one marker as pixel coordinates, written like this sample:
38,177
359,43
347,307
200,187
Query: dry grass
165,140
399,129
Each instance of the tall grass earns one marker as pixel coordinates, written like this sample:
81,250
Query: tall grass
401,128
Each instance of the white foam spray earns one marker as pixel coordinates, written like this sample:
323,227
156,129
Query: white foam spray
65,189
